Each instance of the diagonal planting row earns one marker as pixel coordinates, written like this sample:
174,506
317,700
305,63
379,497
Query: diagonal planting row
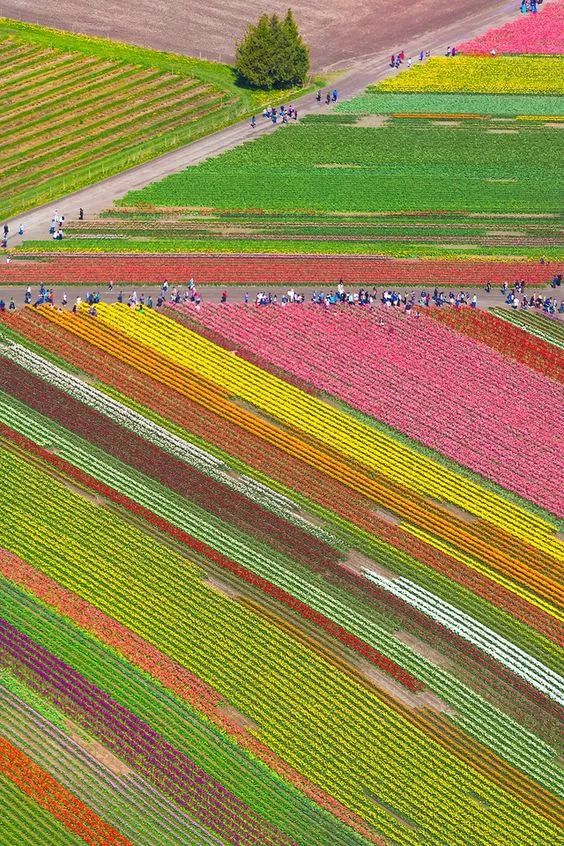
49,794
136,809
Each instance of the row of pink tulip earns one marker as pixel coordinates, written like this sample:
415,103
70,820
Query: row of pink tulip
541,33
427,381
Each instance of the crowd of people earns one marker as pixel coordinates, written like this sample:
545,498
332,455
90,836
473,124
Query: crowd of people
409,302
530,6
56,227
282,114
398,59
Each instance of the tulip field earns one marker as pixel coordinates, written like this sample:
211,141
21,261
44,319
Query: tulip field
541,33
483,75
217,536
137,270
285,574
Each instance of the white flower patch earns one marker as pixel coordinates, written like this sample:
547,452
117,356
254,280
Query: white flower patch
515,659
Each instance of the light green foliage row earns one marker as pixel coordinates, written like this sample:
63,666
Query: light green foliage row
376,102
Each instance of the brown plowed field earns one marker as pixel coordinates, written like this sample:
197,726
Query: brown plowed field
337,30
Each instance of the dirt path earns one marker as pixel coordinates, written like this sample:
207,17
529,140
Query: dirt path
236,293
364,70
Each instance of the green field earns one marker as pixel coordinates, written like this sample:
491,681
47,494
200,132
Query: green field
376,102
360,169
78,109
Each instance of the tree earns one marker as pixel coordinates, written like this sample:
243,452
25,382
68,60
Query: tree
273,54
297,52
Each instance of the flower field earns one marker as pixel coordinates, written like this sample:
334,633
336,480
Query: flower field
286,575
251,270
179,587
299,343
540,34
151,454
482,75
429,164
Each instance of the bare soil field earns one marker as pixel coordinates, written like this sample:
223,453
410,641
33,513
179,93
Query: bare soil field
338,31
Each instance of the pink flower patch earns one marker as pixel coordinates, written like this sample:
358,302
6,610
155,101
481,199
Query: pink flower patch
540,33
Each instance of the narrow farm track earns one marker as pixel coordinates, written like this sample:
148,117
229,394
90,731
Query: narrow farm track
364,71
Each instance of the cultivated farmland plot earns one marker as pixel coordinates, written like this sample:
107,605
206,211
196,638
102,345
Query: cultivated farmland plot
79,109
79,430
284,574
454,158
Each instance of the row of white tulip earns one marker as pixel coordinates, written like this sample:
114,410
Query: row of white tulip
515,659
145,428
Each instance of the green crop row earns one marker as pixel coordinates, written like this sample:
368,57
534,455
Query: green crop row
376,102
25,823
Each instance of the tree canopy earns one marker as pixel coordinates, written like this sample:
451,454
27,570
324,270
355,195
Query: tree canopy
272,54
